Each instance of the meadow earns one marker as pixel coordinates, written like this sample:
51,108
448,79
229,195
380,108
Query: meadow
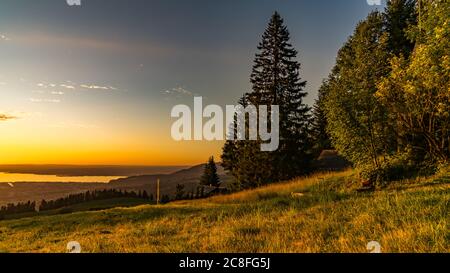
320,213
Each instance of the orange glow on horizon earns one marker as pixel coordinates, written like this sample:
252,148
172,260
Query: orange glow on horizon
22,142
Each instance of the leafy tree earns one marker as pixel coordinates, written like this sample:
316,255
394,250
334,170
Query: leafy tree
418,89
357,122
210,176
399,16
320,137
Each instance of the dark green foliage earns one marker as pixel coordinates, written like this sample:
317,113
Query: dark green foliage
145,195
417,89
210,176
276,81
180,194
70,200
357,122
384,105
165,199
398,17
387,96
320,137
202,192
17,208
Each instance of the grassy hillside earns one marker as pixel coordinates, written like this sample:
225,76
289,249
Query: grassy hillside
329,216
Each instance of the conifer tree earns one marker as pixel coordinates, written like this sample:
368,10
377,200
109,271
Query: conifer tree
180,192
145,195
210,176
275,80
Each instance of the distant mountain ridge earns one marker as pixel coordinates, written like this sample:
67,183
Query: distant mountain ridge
36,191
88,170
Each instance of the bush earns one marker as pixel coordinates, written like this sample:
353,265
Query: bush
403,165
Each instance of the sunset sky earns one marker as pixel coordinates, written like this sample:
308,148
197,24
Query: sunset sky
95,84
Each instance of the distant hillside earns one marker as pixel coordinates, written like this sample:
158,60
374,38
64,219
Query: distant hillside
22,192
188,177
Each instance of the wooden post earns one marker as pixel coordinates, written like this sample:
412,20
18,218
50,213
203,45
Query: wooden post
157,192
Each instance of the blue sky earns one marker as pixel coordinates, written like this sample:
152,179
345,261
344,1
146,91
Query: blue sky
120,66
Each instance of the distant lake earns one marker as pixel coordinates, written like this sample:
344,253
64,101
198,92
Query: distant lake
20,177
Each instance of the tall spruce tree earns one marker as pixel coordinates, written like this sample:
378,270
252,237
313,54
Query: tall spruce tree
275,80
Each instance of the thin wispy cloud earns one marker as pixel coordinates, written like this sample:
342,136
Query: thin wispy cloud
59,93
46,85
95,87
179,92
73,86
67,86
95,43
3,37
54,85
45,100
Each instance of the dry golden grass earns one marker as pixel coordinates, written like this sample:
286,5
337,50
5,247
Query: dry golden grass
407,216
